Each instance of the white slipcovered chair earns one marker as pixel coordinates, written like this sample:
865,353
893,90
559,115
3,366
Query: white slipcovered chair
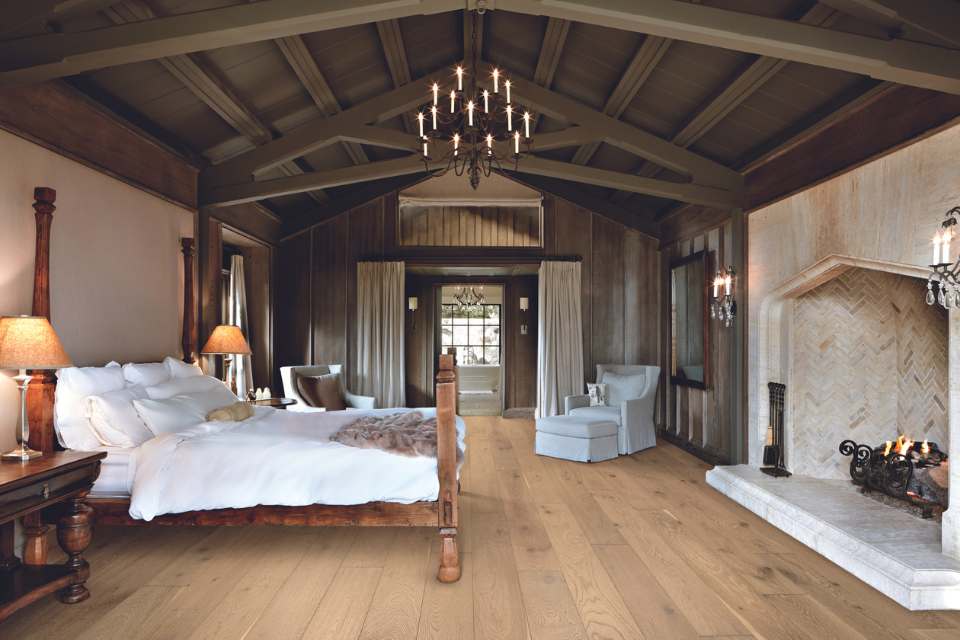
631,399
288,375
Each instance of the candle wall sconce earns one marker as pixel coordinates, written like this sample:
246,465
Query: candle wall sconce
412,304
524,307
723,307
943,283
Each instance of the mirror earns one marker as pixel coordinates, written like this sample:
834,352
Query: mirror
688,320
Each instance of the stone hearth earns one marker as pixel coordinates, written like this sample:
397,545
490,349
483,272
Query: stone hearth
894,552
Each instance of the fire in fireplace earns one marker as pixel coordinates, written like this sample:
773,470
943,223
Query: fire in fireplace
914,473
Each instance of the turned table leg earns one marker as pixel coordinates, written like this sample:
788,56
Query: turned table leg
35,540
74,535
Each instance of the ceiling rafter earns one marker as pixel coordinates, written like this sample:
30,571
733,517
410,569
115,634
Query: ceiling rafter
901,61
551,51
18,14
645,60
301,61
204,82
395,53
624,135
732,95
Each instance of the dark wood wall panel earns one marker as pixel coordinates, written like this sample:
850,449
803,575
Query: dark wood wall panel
620,285
469,226
293,344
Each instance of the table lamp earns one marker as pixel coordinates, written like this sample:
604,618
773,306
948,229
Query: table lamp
226,340
28,342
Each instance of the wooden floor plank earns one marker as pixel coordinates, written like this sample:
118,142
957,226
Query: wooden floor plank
635,547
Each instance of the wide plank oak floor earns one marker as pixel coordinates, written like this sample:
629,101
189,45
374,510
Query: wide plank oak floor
637,547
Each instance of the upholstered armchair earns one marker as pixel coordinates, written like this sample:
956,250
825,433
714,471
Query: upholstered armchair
288,375
631,399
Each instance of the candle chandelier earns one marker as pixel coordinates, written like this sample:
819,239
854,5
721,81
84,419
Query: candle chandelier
722,306
943,283
473,129
469,297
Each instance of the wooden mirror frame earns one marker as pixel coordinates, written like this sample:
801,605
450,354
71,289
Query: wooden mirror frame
703,256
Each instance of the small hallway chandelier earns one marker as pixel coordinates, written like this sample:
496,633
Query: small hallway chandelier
943,283
473,129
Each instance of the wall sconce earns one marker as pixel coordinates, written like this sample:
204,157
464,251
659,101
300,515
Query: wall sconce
524,307
722,305
412,304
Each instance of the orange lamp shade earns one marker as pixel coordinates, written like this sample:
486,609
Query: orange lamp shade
226,339
29,342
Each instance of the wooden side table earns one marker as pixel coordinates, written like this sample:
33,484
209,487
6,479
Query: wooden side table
45,491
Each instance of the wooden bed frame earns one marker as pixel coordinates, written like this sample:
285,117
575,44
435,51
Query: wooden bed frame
443,513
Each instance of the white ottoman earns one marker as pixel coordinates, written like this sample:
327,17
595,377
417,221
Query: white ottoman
576,438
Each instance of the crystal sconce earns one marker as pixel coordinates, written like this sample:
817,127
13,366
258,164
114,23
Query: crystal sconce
722,305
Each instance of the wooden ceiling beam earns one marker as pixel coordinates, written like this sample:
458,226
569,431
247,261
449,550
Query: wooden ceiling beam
301,61
645,60
53,55
625,136
939,18
394,139
732,95
316,134
261,190
900,61
18,14
205,83
682,191
395,53
550,52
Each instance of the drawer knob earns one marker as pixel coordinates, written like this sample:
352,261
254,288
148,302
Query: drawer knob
45,491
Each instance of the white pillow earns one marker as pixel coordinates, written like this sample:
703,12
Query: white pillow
180,386
146,374
171,415
623,387
181,369
114,419
74,384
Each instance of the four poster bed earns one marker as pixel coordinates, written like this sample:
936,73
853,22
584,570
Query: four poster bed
423,493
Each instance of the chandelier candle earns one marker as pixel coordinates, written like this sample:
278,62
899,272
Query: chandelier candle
468,139
943,283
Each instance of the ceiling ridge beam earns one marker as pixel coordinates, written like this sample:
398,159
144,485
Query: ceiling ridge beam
394,139
938,18
47,56
294,49
626,136
315,134
206,84
901,61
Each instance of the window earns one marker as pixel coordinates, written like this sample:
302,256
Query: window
474,331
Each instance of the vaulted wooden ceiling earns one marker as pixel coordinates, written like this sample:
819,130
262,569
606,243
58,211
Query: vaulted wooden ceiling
643,105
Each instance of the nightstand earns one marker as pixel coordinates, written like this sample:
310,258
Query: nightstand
276,403
44,491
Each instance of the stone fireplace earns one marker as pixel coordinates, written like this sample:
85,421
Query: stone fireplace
863,358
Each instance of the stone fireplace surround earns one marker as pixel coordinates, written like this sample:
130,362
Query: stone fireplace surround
915,562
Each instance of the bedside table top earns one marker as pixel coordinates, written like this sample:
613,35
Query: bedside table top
275,402
16,473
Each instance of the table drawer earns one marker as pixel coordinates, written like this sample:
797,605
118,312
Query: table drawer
43,491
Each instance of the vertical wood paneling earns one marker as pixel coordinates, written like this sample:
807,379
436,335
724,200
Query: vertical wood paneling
456,226
606,292
293,301
365,242
329,275
573,233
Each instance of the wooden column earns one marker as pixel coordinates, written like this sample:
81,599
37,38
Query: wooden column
189,337
40,393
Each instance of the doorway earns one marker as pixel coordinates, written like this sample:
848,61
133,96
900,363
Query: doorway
470,327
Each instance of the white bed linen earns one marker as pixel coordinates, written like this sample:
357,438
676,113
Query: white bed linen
274,458
116,473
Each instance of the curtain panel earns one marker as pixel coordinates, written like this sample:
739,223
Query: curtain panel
240,369
560,342
380,328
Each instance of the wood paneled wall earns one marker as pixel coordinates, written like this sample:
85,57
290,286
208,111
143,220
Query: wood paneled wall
705,419
621,289
470,226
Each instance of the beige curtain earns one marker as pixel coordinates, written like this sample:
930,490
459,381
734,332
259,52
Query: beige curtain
241,368
380,355
560,346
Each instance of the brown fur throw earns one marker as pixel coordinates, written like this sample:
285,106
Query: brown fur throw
232,413
406,434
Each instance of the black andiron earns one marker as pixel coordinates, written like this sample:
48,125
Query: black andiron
890,468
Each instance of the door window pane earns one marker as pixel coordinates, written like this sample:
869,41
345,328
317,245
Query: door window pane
474,331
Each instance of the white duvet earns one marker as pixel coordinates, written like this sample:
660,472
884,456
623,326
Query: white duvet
274,458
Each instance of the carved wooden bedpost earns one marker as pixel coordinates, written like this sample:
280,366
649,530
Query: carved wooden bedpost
189,338
449,507
42,387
